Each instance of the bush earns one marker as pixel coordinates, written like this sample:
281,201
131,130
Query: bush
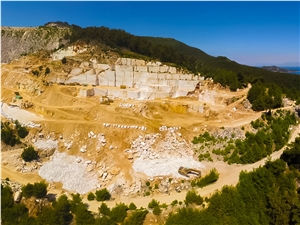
132,206
156,210
39,190
103,209
8,137
148,183
29,154
64,60
212,177
22,132
175,202
119,213
102,195
153,203
47,71
192,197
91,196
137,218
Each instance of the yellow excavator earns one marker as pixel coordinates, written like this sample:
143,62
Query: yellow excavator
185,171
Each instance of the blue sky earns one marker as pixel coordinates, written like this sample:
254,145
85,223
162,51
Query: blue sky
251,33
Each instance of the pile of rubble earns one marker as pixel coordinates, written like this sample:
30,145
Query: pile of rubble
230,133
71,172
45,148
126,105
15,186
124,126
157,156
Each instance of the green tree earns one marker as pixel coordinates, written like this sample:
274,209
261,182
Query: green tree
91,196
153,203
103,209
156,210
22,132
47,71
64,60
102,195
38,190
137,218
29,154
132,206
192,197
118,213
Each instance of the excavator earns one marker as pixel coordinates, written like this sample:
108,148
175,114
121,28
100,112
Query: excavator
185,171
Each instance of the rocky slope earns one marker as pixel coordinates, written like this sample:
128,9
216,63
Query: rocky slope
16,42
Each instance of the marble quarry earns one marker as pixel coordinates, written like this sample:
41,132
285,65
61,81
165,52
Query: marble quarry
133,79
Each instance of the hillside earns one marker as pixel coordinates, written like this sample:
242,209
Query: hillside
16,42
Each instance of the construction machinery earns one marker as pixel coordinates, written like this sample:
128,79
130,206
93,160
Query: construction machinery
185,171
105,100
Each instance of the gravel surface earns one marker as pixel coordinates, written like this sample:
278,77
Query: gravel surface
46,144
16,113
74,177
165,166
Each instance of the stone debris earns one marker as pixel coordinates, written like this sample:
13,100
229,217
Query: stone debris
126,105
164,166
83,149
15,186
46,144
125,126
32,125
92,135
230,133
156,156
45,148
73,175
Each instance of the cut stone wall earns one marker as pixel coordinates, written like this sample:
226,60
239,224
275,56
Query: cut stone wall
152,80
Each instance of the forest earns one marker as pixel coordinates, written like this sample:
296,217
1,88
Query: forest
271,134
168,50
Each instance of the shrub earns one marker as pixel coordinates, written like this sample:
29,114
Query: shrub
156,210
29,154
64,60
148,183
132,206
103,209
175,202
147,193
47,71
39,190
153,203
8,137
102,195
192,197
91,196
137,218
212,177
119,213
22,132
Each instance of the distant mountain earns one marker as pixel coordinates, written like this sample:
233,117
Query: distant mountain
275,69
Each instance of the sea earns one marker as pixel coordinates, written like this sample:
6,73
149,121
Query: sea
292,69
